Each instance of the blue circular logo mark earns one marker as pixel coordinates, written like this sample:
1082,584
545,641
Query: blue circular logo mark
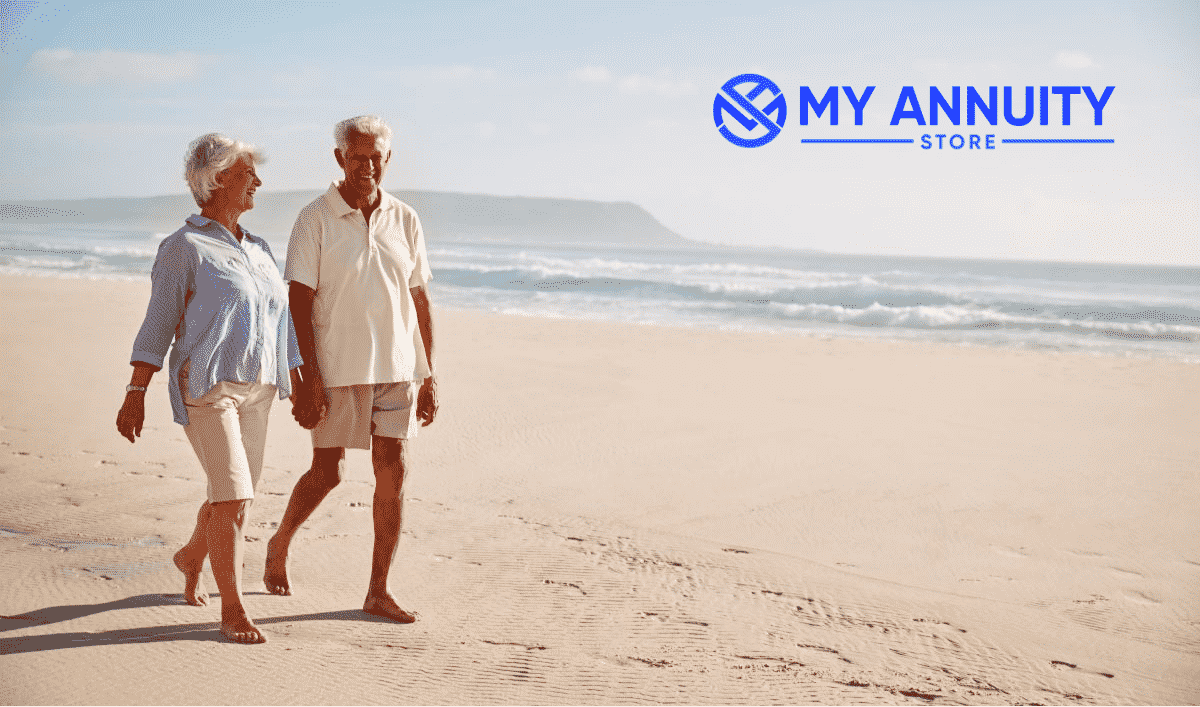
753,116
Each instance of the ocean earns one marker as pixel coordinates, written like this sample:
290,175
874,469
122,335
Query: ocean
1101,309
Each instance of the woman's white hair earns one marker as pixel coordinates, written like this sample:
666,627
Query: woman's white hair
211,154
371,125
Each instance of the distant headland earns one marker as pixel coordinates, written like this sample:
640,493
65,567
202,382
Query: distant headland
444,216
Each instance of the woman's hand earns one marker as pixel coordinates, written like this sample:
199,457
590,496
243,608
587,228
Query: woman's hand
132,415
133,411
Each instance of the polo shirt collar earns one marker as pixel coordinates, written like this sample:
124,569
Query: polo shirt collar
341,208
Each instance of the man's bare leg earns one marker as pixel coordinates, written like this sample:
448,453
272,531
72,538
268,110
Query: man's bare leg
388,459
312,488
225,548
190,559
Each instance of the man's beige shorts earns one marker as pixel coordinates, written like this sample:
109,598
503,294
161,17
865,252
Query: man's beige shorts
356,412
227,427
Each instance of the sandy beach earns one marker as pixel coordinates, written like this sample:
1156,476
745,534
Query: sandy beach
622,514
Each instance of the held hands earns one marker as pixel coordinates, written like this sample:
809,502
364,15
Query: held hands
427,402
309,404
132,415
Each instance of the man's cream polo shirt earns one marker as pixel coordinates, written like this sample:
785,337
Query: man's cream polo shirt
363,315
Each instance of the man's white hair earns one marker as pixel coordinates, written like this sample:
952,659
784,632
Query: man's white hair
211,154
371,125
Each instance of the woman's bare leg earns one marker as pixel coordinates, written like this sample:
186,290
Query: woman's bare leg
190,559
225,550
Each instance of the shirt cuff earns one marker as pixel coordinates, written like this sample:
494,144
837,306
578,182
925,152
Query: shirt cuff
147,357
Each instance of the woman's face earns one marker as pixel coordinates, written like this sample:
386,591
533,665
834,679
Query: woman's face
238,183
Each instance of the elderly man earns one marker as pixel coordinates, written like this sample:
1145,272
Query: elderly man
358,275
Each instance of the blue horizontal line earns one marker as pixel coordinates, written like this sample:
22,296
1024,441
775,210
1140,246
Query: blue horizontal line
1058,140
852,140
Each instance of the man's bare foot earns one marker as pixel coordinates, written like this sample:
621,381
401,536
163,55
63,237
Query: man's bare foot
192,592
241,629
275,577
384,605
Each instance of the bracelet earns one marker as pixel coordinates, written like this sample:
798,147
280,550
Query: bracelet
131,388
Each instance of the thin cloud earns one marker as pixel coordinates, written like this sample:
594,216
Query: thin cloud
635,84
116,67
661,85
89,130
438,75
592,74
1073,60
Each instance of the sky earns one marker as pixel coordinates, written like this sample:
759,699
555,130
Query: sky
613,101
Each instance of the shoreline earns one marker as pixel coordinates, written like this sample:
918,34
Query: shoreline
882,335
606,513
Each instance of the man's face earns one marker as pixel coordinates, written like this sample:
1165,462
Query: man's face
239,181
364,163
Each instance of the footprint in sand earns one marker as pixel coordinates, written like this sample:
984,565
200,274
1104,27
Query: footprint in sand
1127,573
572,585
1140,598
1009,551
653,663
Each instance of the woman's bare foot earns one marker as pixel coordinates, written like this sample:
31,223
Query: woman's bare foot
384,605
192,592
240,629
275,576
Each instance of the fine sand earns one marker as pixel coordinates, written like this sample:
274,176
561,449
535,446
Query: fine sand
621,514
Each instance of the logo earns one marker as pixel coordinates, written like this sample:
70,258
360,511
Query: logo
752,117
759,110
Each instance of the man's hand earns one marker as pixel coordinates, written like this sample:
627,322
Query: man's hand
132,415
309,406
427,402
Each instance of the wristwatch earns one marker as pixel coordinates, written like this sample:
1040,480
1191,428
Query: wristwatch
131,388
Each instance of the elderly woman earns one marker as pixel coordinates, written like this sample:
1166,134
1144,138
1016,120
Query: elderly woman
218,295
